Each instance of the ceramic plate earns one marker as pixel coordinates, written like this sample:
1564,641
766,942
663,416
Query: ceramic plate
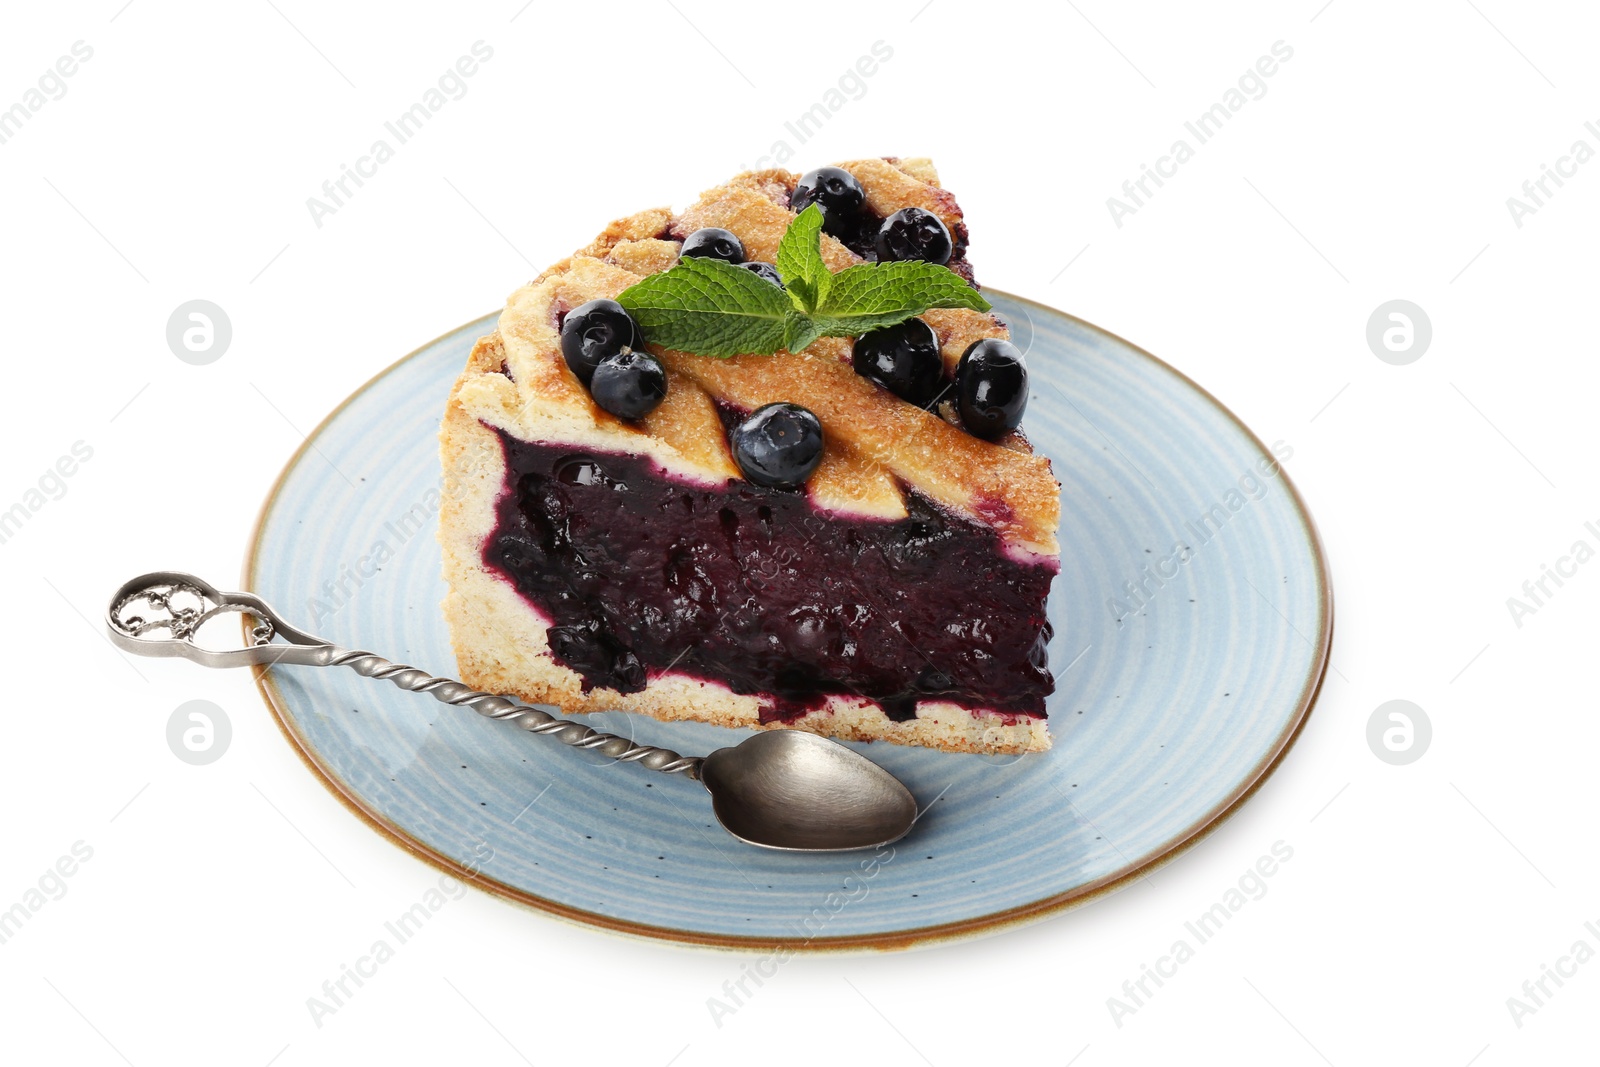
1192,617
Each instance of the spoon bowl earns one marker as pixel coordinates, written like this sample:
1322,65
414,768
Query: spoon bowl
798,792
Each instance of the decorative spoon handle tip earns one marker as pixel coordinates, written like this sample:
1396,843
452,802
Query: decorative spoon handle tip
162,614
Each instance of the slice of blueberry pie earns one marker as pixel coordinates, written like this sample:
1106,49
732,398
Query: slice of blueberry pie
759,464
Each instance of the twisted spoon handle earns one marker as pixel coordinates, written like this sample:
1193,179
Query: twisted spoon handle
164,612
533,719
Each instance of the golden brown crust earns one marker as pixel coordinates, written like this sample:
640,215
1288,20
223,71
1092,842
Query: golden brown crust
845,482
635,227
775,183
919,168
487,355
648,256
688,420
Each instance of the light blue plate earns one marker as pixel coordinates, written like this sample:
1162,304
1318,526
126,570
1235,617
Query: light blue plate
1165,719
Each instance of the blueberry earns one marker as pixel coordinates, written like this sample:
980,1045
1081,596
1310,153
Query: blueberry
837,195
830,188
912,233
589,648
991,387
765,271
626,669
712,243
518,552
595,330
629,384
904,359
778,446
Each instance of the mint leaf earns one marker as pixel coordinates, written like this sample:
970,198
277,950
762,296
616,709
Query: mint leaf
799,331
868,296
713,308
800,263
710,308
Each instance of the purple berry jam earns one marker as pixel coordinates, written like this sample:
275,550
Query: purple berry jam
754,588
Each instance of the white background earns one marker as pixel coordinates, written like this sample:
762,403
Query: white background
1377,166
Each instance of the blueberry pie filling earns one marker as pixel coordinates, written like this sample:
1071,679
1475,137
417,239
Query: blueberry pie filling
640,574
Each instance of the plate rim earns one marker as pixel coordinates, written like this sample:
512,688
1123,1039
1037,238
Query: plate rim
963,929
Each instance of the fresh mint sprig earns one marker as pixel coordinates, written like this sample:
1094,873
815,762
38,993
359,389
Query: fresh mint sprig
800,263
713,308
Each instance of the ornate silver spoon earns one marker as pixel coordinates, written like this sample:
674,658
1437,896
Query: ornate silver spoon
782,789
